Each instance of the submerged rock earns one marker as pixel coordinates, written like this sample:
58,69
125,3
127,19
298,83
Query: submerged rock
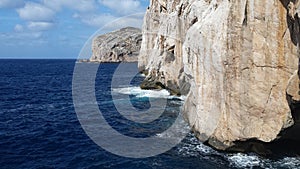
233,60
119,46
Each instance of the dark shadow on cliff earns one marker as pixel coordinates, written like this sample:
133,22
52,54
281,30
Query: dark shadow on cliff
276,149
291,23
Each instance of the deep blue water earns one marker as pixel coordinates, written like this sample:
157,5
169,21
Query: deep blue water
39,127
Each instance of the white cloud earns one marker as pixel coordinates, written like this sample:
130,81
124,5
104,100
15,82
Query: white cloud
35,35
11,3
36,12
40,26
79,5
132,21
19,28
110,22
123,7
40,16
21,36
23,39
113,20
96,20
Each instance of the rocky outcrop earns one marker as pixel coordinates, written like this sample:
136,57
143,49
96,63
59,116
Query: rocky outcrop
119,46
233,60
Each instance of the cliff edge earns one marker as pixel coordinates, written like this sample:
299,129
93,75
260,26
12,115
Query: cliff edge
233,60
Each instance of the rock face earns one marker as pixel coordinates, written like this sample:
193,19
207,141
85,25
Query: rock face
233,60
119,46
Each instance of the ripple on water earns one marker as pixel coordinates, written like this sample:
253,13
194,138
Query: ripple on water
39,127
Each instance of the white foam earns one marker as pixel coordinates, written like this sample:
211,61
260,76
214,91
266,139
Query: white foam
138,92
244,160
240,160
154,94
194,148
289,162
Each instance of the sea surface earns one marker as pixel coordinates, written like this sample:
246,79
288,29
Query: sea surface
39,127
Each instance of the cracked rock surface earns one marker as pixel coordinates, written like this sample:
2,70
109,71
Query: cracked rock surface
118,46
236,57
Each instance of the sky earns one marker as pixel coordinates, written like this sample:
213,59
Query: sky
59,29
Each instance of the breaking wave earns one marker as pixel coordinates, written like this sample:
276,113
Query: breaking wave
139,93
191,147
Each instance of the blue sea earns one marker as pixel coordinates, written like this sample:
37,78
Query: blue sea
40,126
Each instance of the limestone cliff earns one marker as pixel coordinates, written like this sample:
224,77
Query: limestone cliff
233,60
118,46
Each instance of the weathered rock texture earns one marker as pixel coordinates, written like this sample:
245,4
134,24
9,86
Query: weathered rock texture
233,59
119,46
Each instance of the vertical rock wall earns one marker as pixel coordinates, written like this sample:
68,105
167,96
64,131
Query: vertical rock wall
233,60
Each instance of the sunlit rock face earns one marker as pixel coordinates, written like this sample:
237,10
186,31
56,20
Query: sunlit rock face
233,60
118,46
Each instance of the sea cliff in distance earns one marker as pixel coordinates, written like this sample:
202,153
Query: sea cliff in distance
122,45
